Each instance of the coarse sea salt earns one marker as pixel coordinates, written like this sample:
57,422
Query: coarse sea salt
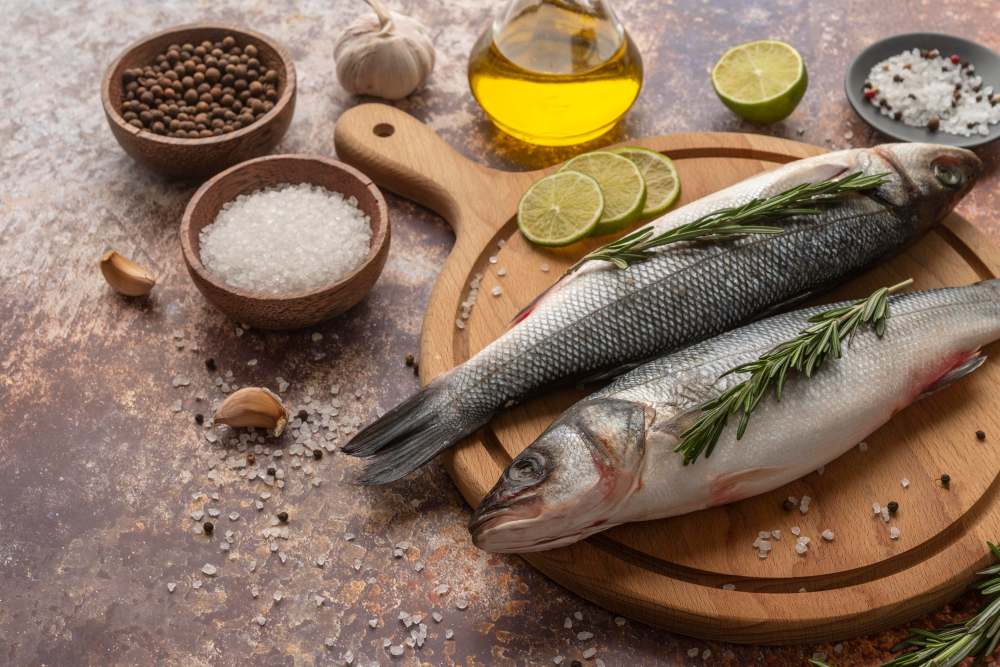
288,238
923,88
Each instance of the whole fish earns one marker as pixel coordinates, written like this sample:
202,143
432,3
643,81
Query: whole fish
610,458
604,320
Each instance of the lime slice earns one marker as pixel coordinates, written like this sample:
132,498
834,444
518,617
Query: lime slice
760,81
663,185
621,183
559,209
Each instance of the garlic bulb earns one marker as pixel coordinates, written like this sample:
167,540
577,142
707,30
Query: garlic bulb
385,55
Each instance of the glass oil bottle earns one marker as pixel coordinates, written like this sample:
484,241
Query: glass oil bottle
555,72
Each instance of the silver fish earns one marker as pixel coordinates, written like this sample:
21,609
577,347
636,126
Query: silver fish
610,458
602,320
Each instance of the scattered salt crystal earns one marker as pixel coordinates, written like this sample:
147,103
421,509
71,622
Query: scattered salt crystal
558,660
567,623
348,655
828,535
449,633
502,271
620,621
795,530
589,653
493,259
461,604
894,533
372,622
436,615
196,583
287,238
171,587
545,268
693,652
584,636
729,587
252,362
261,621
209,569
496,291
801,548
905,483
317,337
776,534
706,654
578,615
804,504
442,589
197,515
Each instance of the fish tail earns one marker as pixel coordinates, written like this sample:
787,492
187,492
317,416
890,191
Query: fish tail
412,433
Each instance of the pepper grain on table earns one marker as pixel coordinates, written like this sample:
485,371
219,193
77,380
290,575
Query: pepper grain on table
100,471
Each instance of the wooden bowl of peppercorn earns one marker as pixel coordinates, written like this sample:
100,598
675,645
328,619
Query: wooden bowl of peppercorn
193,100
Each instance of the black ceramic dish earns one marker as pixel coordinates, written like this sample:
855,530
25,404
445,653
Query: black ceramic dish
987,66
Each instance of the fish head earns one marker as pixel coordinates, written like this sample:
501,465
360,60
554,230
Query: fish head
929,178
569,483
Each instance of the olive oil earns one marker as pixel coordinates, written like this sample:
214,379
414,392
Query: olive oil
555,72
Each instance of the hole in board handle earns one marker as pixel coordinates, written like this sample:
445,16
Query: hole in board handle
383,130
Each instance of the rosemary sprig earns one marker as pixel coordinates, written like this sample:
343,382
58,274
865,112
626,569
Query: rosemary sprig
804,199
977,637
804,353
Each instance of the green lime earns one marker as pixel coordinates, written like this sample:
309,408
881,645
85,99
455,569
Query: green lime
761,81
621,183
663,185
561,208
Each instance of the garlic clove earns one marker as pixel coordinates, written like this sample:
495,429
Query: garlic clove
125,276
253,406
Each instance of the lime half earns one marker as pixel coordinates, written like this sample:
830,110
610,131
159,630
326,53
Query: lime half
559,209
663,185
621,183
761,81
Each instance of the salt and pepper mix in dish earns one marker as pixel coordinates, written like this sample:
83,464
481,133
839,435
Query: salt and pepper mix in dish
924,88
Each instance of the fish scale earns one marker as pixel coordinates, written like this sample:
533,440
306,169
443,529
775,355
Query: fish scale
602,320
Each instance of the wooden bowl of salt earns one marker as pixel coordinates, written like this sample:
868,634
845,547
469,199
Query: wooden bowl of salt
253,292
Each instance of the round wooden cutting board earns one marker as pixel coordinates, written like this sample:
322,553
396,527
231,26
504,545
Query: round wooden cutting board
671,572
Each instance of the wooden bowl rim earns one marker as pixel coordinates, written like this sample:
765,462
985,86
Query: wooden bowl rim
114,114
380,233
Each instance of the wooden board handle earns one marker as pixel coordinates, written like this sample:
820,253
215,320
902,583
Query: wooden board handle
405,156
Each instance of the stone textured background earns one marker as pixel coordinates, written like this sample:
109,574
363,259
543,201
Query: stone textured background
101,475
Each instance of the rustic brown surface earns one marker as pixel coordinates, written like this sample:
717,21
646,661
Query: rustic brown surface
100,472
670,573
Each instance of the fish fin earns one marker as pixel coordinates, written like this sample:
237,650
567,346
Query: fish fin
735,486
813,173
968,366
787,304
527,310
411,434
609,373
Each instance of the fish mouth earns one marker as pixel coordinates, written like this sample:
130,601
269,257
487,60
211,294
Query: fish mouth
486,518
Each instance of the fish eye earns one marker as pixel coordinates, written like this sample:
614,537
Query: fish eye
948,176
526,468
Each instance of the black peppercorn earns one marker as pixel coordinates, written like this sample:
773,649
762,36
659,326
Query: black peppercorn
408,360
210,364
283,517
787,505
303,414
208,527
251,459
893,507
980,435
199,418
317,454
271,471
945,480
